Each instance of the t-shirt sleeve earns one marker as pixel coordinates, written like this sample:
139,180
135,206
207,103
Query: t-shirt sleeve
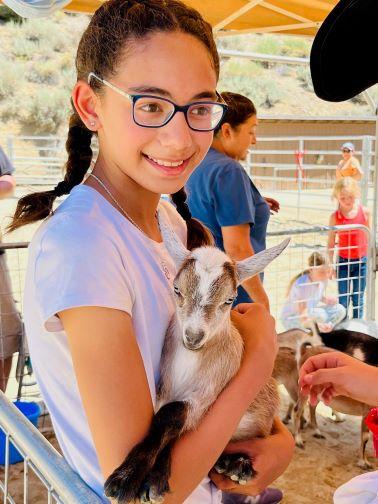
232,197
75,267
6,167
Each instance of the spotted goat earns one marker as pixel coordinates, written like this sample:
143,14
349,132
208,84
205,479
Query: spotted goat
201,354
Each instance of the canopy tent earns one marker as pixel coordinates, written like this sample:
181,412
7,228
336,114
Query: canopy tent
300,17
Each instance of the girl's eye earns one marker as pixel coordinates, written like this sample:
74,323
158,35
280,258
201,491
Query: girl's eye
201,110
151,107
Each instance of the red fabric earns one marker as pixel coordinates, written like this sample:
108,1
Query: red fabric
352,244
372,422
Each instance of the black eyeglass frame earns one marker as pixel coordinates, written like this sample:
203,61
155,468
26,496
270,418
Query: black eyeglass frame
176,108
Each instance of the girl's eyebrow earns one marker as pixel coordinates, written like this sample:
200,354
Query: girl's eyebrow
162,92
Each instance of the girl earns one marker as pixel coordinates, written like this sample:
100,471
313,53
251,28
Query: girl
221,194
352,246
306,300
98,296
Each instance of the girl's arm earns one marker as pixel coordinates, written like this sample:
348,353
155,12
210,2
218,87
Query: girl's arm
115,394
367,214
7,185
331,239
237,244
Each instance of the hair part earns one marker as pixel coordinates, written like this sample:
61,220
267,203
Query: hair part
110,35
240,109
346,184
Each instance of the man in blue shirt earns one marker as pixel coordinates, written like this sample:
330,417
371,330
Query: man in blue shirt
223,197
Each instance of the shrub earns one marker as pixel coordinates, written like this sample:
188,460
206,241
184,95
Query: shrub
10,76
7,14
44,111
304,76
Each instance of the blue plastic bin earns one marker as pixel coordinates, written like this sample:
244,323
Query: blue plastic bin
32,411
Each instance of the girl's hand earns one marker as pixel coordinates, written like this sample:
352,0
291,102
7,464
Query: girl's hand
273,204
270,458
335,373
257,328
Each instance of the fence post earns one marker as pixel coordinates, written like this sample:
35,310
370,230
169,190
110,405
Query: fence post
365,162
10,150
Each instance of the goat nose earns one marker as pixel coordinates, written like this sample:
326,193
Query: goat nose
193,338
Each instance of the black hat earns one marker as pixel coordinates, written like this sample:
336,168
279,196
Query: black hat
344,55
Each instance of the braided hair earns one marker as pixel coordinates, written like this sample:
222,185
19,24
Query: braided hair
101,49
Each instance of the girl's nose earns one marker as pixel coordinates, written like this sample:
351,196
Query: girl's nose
176,134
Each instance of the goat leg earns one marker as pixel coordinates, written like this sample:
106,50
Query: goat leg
314,424
125,482
363,462
298,413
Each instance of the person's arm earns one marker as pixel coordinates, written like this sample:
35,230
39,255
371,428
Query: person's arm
335,373
7,185
331,239
367,214
270,457
237,244
111,379
357,170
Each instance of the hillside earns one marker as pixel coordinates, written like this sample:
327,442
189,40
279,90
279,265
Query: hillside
37,74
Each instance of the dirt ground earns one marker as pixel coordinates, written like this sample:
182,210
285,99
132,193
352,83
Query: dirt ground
324,464
311,478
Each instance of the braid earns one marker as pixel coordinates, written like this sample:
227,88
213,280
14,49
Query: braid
37,206
198,234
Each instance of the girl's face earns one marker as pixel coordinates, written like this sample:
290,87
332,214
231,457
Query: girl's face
241,139
346,199
347,154
320,273
176,66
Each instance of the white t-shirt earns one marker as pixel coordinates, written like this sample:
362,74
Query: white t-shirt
303,290
88,254
362,489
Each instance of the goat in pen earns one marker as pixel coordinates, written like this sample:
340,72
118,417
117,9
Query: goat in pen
201,354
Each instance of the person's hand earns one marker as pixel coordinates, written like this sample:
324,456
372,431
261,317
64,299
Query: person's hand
257,328
273,204
270,458
335,373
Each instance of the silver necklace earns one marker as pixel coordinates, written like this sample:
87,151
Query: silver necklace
123,211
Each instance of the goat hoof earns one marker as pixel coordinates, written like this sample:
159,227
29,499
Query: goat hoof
124,483
237,467
286,420
365,465
154,489
300,444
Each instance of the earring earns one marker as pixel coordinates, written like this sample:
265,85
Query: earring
92,123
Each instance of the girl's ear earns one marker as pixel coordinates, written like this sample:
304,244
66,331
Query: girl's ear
85,102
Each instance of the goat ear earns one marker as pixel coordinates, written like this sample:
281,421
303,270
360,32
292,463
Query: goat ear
173,244
255,264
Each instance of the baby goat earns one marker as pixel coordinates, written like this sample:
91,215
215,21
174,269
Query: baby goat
201,354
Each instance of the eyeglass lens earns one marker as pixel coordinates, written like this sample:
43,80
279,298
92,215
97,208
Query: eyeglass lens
150,111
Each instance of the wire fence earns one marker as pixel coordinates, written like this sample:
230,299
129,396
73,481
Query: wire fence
347,283
45,474
302,170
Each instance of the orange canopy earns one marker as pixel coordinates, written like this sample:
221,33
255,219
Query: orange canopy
300,17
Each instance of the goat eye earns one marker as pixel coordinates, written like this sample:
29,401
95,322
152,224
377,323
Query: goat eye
229,301
176,289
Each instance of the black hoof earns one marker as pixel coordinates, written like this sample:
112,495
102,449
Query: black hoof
153,493
237,467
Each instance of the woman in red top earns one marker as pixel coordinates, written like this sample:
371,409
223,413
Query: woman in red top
352,245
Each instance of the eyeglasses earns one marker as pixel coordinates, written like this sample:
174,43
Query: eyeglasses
346,150
150,111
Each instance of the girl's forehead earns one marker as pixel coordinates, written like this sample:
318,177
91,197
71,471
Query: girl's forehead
177,63
346,194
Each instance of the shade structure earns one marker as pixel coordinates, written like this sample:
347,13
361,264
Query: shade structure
300,17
